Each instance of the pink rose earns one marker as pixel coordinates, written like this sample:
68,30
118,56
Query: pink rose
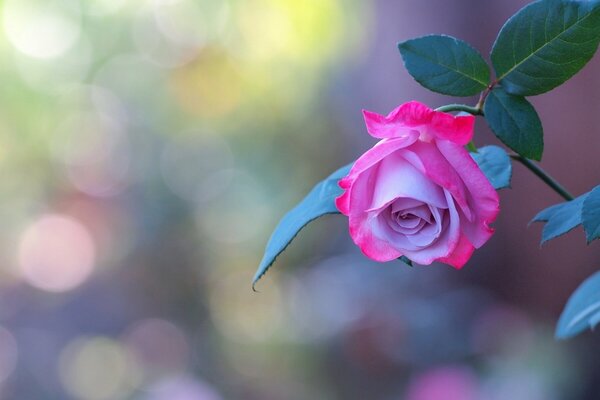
417,192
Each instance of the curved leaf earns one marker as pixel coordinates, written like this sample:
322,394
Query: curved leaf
591,215
515,122
560,218
320,201
495,164
545,44
445,65
582,310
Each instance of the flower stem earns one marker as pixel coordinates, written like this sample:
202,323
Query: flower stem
540,173
460,107
533,167
471,147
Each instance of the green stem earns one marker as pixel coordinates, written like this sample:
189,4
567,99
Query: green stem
471,147
540,173
460,107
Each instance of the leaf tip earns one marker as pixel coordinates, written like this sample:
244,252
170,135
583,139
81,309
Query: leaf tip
406,261
559,335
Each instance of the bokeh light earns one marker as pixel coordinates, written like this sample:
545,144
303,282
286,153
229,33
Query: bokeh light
8,354
96,154
155,45
103,7
56,253
97,368
449,383
197,167
239,316
234,215
42,28
181,387
160,348
213,71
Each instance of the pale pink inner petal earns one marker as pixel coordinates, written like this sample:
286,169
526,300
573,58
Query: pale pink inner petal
385,228
446,242
428,234
423,212
394,177
409,224
404,202
428,159
430,231
408,221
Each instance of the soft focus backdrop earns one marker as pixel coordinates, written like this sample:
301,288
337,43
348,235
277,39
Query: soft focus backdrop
147,149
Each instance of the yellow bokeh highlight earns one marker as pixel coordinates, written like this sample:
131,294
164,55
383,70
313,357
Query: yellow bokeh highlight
295,30
210,86
98,368
242,316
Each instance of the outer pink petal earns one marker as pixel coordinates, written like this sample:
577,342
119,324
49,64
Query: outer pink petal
431,162
417,116
483,198
371,246
366,161
457,129
399,122
461,254
342,202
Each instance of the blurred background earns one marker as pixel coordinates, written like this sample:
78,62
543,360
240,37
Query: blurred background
147,150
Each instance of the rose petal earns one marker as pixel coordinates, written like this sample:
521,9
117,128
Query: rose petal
417,116
395,177
407,222
429,160
364,163
455,129
446,243
461,254
384,232
430,232
423,212
405,203
483,198
362,230
408,231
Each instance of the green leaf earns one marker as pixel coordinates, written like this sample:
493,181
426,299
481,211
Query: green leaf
591,215
582,310
515,122
560,218
495,164
545,44
320,201
564,217
445,65
406,261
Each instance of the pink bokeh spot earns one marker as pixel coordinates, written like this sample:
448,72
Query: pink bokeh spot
444,383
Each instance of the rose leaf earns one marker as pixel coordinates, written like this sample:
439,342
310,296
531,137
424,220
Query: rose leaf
320,201
445,65
515,122
546,43
591,214
582,310
561,218
495,165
